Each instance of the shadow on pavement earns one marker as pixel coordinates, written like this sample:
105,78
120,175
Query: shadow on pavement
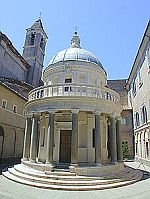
8,164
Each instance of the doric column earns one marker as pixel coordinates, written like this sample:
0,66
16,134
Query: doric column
148,143
118,140
50,138
74,138
98,145
109,139
33,145
113,139
26,148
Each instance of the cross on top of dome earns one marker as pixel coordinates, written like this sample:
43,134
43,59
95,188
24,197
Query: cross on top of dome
75,41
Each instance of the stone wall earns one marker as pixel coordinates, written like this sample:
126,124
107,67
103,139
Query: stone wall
11,63
11,143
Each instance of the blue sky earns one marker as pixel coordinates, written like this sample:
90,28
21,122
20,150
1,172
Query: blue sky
111,29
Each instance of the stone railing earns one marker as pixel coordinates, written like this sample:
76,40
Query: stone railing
73,90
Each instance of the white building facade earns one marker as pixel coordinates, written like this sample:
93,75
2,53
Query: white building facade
139,99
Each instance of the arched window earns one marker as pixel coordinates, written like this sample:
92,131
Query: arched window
143,115
137,121
42,43
32,39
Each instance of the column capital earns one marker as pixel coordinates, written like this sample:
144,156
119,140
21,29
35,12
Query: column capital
28,116
75,111
108,120
98,112
51,111
118,117
34,115
113,115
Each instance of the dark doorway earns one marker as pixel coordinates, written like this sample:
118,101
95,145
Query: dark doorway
1,142
65,146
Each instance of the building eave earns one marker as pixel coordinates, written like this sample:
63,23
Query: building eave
145,38
13,49
14,91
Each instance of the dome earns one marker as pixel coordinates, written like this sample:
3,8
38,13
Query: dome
75,52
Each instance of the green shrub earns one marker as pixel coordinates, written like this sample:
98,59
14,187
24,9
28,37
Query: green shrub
125,149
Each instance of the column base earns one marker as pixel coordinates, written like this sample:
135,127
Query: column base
24,159
32,161
73,165
50,166
98,164
120,161
114,162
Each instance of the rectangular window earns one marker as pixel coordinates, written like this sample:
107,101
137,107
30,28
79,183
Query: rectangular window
69,80
66,89
4,103
134,88
140,79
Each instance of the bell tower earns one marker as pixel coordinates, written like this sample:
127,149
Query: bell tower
34,51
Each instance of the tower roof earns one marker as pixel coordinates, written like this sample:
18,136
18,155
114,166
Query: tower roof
38,26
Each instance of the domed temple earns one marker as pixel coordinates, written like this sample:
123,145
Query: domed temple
70,114
73,123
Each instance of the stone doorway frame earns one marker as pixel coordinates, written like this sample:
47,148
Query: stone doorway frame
61,148
58,127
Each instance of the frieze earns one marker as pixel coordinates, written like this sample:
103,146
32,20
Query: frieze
73,104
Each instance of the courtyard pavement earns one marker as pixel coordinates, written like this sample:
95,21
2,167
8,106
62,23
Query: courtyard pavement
139,190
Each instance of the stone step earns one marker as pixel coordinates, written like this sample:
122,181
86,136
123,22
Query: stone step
31,172
28,172
73,188
60,173
70,182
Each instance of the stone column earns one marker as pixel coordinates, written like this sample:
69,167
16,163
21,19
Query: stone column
26,148
74,139
113,139
118,140
109,139
149,143
98,145
33,145
50,139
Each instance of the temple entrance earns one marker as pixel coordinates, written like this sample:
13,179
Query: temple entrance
65,146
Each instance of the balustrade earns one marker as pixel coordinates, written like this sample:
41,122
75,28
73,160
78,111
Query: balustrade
73,90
